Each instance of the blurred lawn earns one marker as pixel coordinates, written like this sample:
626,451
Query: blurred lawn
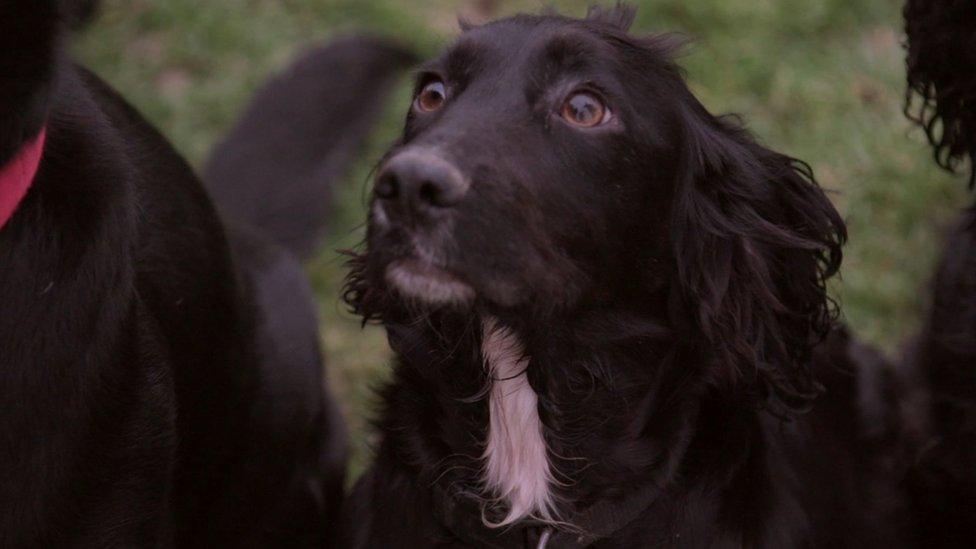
821,80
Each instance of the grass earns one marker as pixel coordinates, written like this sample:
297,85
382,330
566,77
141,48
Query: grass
821,80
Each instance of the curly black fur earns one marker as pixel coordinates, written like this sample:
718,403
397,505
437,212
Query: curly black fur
753,265
941,80
666,274
942,73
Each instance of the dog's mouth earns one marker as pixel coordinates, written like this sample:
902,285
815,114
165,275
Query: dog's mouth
424,283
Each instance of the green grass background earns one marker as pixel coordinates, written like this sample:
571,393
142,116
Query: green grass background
821,80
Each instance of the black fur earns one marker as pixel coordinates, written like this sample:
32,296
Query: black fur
942,98
941,81
666,275
162,378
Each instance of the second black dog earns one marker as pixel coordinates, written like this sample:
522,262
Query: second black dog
942,99
162,376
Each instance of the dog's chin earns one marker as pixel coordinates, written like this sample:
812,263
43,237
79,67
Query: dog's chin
422,284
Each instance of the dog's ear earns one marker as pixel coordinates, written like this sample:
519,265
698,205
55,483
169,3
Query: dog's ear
941,87
621,16
754,239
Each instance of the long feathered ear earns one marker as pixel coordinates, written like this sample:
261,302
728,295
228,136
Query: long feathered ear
621,16
754,239
941,92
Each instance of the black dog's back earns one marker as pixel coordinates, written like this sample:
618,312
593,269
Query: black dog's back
163,379
944,357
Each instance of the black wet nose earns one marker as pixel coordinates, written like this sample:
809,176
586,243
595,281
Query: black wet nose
419,184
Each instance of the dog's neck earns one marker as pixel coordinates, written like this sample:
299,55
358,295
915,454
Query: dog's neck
520,469
583,411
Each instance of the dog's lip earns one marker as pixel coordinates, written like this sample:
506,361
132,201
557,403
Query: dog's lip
424,282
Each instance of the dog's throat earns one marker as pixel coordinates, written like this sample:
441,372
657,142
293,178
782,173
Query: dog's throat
517,472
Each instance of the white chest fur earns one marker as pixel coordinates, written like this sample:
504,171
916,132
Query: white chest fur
517,470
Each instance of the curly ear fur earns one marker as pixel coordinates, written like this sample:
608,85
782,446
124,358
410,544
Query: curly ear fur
755,240
941,53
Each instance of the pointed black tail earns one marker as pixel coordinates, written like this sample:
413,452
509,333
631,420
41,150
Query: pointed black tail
276,169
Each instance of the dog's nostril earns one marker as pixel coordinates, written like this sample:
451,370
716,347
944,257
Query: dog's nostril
430,194
387,187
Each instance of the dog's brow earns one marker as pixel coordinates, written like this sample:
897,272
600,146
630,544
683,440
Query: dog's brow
462,58
569,48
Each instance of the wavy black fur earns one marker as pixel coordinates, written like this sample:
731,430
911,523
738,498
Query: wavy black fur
941,82
942,75
666,275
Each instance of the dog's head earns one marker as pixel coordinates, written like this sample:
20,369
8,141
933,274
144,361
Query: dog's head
550,165
941,82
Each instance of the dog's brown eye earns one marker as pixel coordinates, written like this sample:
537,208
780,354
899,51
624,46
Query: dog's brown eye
431,96
585,109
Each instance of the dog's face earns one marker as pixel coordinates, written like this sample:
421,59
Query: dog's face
535,165
551,164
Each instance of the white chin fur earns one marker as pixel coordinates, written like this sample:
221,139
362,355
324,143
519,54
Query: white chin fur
427,284
516,461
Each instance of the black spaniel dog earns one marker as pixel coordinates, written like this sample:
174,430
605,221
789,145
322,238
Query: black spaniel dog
942,99
161,378
609,313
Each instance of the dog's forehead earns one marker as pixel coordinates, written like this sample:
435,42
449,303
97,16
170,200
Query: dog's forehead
523,39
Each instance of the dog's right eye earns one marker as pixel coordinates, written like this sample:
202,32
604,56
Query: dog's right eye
431,96
585,110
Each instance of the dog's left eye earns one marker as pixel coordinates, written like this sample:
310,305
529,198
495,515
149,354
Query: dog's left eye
586,110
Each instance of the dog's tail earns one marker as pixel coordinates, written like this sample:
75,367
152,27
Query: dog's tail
29,36
276,169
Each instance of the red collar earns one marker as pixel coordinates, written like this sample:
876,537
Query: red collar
16,177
